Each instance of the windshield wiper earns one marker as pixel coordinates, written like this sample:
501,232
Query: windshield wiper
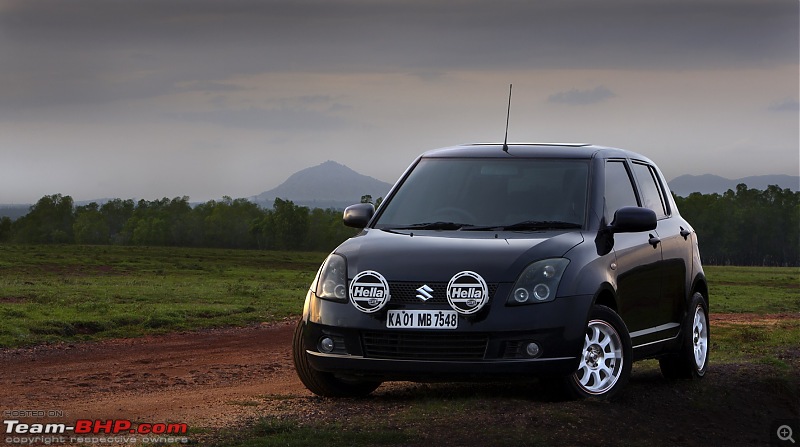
528,225
432,226
541,225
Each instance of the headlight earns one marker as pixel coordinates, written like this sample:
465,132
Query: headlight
538,283
332,283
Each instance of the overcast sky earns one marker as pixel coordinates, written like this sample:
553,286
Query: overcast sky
164,98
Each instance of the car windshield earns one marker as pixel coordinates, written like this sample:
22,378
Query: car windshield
484,193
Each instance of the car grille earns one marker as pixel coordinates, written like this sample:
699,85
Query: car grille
424,346
406,292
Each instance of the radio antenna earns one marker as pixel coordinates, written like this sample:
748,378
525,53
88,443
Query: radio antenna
508,115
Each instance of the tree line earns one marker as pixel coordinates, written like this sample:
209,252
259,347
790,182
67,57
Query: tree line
227,223
746,226
742,227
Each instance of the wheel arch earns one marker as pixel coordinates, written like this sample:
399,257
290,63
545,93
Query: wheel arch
699,285
606,296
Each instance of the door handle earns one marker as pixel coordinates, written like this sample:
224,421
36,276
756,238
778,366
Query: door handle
685,233
654,241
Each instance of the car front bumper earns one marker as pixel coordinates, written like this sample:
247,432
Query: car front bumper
491,344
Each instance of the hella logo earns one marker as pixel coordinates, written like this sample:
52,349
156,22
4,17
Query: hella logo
425,293
369,291
467,292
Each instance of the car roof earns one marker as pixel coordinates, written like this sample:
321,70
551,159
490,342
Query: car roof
532,150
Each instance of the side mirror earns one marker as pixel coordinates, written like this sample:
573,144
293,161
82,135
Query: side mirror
358,215
632,219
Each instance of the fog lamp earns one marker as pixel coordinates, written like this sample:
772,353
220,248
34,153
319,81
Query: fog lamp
326,345
533,349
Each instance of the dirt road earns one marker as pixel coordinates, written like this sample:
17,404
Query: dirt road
202,378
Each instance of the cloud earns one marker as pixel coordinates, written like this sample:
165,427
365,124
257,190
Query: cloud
212,86
94,51
283,119
582,97
789,105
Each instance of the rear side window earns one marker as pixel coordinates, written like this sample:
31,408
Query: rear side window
650,191
619,189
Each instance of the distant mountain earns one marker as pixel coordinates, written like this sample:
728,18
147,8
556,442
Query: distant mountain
329,185
14,211
709,184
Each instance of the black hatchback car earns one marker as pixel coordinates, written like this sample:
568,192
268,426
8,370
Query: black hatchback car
492,261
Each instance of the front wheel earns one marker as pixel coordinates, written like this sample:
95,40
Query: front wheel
606,357
691,362
323,383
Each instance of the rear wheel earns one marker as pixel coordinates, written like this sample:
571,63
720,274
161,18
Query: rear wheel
606,359
691,362
324,383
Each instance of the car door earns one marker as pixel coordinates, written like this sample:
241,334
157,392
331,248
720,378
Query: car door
637,262
676,247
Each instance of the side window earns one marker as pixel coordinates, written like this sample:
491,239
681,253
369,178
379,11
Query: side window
650,192
619,189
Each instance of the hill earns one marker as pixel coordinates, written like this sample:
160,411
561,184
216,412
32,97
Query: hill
328,185
14,211
709,183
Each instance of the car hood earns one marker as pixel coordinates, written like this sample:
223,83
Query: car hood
438,255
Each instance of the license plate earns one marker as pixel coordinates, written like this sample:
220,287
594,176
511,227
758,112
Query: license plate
422,319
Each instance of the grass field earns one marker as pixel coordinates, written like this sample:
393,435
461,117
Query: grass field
74,292
754,289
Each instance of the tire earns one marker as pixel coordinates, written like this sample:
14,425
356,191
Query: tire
606,358
323,383
691,361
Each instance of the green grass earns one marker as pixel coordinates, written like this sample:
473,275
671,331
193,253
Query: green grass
55,293
754,289
766,342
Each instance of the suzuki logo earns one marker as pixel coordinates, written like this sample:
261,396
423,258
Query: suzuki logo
424,293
